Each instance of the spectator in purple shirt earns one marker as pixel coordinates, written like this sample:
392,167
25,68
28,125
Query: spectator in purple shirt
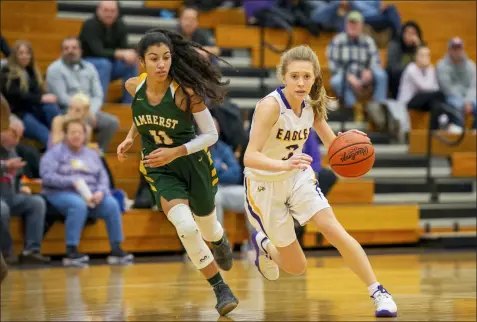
61,168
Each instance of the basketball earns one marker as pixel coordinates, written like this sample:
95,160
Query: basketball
351,155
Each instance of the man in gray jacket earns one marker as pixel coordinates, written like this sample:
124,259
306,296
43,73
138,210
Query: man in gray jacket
71,74
18,201
457,78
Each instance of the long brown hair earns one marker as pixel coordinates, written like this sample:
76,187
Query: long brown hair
317,98
16,71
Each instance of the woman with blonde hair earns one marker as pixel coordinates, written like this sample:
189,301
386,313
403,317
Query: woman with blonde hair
281,185
78,109
23,89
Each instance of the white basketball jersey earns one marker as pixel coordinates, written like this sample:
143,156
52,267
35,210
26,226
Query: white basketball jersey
286,138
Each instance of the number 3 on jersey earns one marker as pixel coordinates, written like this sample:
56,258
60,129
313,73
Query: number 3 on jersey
160,137
292,148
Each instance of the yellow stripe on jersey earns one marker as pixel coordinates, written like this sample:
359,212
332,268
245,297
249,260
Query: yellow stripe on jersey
214,172
142,80
215,181
142,168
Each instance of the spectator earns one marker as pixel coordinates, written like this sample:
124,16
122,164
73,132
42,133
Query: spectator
70,75
17,200
329,15
189,28
354,62
78,108
457,78
301,11
231,192
23,89
76,183
378,15
419,89
401,52
104,41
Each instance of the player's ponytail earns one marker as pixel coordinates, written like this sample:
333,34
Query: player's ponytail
189,69
318,99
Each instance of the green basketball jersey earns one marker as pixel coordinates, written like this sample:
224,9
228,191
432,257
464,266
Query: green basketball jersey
162,125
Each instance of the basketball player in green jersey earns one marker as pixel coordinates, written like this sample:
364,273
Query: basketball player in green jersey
175,161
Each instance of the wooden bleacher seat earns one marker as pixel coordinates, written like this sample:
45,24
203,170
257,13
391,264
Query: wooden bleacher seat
344,192
47,9
418,143
464,164
34,24
148,231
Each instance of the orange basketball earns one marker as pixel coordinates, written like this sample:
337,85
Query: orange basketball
351,155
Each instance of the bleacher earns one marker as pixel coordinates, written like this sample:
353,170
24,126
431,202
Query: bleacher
390,205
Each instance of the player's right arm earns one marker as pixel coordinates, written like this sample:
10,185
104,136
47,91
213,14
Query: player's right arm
131,85
266,115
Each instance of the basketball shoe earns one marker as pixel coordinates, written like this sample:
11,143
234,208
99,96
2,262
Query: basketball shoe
385,305
266,266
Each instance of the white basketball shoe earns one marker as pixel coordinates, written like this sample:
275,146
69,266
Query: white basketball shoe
385,305
266,266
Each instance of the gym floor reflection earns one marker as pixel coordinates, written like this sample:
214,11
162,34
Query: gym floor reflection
436,287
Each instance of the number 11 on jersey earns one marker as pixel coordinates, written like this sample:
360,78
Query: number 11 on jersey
160,137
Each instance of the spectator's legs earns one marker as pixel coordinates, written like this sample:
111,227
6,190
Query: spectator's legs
232,199
458,104
74,208
104,66
49,112
380,85
107,125
6,243
389,18
33,210
35,129
32,156
122,70
109,210
326,15
394,79
348,97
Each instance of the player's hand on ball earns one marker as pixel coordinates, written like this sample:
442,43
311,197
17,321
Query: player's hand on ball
355,131
123,148
299,161
160,157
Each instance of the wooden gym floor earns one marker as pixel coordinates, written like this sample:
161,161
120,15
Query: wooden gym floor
432,286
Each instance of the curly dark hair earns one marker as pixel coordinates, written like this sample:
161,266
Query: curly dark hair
189,69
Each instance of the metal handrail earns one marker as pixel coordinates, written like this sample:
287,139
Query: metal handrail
434,114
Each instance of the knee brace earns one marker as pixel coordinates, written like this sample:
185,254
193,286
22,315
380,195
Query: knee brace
210,227
181,217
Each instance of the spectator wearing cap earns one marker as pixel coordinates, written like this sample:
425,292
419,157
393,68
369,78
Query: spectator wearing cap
457,78
355,65
104,41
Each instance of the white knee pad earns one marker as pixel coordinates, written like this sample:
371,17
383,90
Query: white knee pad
210,227
181,217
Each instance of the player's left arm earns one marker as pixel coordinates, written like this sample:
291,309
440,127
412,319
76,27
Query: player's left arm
326,134
324,131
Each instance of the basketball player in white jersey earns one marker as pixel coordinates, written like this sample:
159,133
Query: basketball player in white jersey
280,184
